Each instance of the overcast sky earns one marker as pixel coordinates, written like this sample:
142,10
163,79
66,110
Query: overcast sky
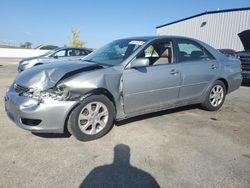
50,22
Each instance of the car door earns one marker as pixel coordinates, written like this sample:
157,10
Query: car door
154,86
197,66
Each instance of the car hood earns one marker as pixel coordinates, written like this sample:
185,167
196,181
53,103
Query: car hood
47,76
30,58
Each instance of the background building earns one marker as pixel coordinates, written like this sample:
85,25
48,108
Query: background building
220,29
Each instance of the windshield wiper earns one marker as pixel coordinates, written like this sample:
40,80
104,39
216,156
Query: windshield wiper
102,64
89,60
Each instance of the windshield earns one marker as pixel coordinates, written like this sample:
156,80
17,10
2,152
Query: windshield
115,52
50,52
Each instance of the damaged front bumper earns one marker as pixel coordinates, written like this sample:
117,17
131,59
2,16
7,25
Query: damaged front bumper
48,116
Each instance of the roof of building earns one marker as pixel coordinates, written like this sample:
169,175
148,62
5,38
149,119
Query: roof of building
205,13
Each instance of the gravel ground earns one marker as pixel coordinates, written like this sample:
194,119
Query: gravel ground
184,147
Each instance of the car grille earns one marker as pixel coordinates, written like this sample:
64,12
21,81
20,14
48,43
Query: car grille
20,89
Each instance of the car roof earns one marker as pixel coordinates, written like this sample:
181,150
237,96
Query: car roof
147,38
66,48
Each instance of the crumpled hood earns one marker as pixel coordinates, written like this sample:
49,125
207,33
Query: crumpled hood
46,76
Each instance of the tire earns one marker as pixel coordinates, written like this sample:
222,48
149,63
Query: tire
215,97
92,119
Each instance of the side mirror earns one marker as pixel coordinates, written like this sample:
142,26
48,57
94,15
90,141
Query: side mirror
140,62
55,56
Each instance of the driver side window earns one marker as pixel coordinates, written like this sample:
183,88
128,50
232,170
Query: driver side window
158,53
150,52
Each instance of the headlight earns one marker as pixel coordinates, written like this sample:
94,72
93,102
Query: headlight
24,63
59,93
31,62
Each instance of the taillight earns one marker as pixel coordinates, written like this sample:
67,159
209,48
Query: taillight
241,66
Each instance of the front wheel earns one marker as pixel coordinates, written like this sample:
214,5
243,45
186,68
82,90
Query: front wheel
215,97
92,119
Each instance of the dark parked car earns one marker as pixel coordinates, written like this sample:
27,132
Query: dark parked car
125,78
244,57
58,54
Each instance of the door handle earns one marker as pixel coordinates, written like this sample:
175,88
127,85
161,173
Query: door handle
213,66
174,72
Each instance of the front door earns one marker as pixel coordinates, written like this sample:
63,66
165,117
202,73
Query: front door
146,88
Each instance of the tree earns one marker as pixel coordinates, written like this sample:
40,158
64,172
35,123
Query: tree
75,38
26,45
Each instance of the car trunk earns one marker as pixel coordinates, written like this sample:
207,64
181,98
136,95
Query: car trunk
245,39
245,55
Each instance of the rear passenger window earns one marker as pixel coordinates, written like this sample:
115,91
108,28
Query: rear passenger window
191,51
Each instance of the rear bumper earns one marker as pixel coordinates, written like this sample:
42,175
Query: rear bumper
29,114
246,75
234,82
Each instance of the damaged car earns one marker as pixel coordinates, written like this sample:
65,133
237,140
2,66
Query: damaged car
125,78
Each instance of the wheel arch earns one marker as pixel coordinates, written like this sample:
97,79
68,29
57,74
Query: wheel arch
101,91
97,91
225,82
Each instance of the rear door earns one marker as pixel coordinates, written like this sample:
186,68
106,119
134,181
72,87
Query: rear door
197,66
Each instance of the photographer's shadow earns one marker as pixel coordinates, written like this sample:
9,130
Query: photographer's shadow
120,173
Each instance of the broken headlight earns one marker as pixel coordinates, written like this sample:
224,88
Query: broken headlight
60,93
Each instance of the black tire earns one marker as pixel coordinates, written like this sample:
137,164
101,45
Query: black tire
207,104
74,127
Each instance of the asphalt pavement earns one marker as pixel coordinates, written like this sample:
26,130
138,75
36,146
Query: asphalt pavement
183,147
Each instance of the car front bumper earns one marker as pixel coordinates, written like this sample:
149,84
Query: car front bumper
30,114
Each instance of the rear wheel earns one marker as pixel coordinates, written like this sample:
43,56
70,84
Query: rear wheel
215,97
92,119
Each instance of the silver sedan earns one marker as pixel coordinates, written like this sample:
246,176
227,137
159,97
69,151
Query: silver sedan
55,55
125,78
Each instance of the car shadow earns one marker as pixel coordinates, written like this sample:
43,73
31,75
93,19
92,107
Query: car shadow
155,114
52,135
120,173
66,134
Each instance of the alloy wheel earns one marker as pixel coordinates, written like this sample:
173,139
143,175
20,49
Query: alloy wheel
93,118
216,95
